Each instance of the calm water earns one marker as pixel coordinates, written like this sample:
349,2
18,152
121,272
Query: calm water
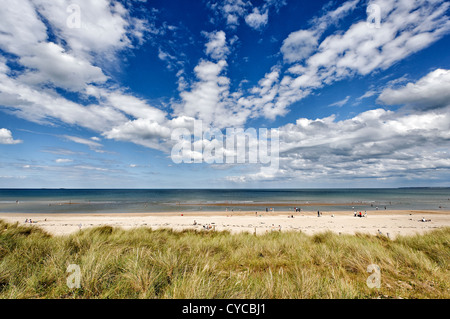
178,200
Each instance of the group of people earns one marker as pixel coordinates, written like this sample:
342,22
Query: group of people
206,227
29,221
355,214
274,228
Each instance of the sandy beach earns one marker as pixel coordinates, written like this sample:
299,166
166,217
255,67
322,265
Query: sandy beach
391,223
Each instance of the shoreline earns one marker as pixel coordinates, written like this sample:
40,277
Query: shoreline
240,213
392,222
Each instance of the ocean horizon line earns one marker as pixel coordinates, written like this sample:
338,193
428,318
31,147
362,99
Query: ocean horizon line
224,188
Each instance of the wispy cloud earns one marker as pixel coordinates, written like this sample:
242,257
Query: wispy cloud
94,146
341,102
366,95
232,11
63,160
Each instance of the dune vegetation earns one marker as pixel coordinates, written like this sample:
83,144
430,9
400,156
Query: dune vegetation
146,263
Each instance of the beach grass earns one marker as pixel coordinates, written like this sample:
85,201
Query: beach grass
163,263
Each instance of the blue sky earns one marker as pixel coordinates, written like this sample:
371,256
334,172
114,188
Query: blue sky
91,91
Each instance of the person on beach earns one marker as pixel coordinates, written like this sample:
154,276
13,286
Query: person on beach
318,213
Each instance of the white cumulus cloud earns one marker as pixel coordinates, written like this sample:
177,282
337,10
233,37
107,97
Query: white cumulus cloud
257,20
7,138
431,91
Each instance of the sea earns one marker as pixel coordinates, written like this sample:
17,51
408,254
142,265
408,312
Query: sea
90,201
